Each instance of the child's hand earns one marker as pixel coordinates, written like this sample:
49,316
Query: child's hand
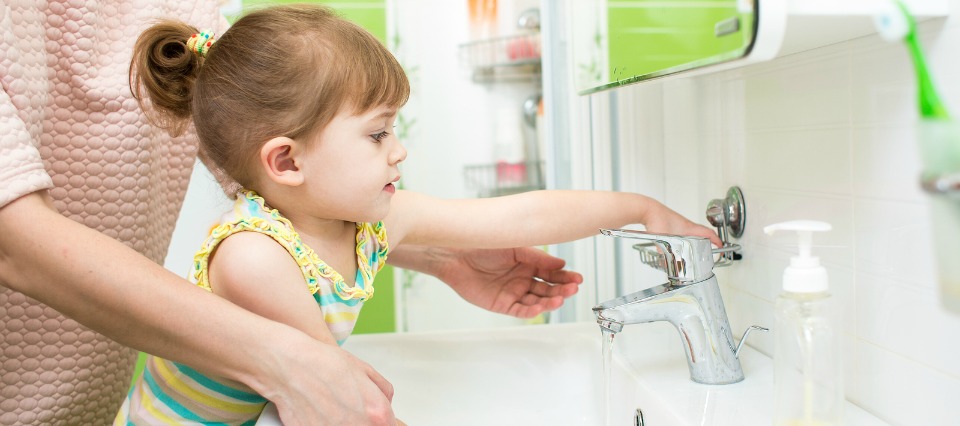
662,220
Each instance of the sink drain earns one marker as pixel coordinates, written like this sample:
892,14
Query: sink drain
638,418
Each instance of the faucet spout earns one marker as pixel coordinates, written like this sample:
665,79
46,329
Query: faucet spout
697,312
622,308
690,300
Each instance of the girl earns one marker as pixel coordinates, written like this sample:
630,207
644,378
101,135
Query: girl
297,105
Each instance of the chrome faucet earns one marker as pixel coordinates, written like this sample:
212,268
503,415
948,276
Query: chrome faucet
690,300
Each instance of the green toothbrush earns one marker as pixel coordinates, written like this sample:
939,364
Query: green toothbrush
896,23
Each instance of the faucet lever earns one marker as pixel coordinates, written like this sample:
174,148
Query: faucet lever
743,339
686,259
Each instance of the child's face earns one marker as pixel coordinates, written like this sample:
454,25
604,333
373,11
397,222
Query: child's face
352,168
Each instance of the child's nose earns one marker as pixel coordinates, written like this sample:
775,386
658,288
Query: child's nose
399,154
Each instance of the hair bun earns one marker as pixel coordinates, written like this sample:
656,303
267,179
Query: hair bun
164,70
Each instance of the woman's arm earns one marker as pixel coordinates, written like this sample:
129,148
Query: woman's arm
111,288
528,219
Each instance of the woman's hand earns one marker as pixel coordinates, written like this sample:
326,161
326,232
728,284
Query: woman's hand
521,282
322,384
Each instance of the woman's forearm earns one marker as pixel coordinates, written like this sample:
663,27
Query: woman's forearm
423,259
114,290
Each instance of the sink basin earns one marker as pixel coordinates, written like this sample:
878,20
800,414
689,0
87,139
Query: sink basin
531,375
552,375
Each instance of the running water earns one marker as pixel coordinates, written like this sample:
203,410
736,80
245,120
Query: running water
607,354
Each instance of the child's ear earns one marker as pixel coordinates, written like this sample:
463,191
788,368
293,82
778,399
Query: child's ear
279,160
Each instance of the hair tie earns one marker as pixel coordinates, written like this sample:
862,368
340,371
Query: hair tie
200,43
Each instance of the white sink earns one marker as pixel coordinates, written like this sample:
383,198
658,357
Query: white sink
552,375
530,375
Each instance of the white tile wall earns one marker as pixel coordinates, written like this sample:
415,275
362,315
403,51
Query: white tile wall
826,134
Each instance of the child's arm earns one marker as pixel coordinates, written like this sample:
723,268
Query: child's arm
531,218
253,271
256,273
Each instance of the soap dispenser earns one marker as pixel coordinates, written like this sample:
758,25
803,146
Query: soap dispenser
808,382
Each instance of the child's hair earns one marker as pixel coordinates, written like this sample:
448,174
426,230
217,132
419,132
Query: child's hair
280,71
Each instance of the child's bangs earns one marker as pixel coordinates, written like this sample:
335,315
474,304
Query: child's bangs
378,79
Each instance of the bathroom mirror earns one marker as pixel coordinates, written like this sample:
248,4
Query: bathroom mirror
622,42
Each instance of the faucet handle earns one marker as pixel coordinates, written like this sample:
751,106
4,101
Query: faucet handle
743,339
686,259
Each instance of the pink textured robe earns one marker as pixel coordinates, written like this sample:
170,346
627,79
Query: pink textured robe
68,123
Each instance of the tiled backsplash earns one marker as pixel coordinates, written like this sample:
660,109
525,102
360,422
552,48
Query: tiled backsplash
827,135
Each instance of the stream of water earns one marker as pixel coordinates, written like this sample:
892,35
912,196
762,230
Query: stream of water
607,359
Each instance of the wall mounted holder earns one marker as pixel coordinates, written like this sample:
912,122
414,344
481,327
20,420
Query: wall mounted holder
940,153
729,216
947,185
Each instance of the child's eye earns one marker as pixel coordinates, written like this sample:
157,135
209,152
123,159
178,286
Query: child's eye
377,137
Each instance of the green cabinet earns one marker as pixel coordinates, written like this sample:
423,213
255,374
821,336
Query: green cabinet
622,42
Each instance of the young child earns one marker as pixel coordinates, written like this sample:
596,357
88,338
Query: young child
297,105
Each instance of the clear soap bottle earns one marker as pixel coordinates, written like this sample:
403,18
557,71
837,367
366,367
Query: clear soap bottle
808,380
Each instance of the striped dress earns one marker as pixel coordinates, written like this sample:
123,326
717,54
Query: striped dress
175,394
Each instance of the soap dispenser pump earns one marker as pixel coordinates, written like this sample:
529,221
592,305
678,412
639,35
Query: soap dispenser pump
808,380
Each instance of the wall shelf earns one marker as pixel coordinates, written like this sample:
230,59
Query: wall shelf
510,58
494,180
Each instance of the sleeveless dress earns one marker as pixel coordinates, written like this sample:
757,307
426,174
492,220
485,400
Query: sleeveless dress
173,393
